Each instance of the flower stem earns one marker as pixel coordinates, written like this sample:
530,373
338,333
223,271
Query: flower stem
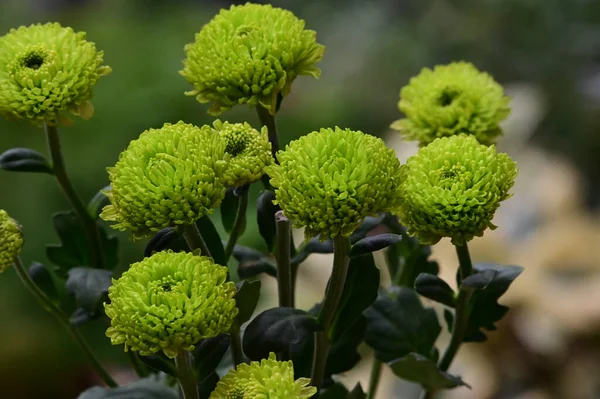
185,375
239,224
268,120
60,173
194,239
284,266
374,378
63,319
341,259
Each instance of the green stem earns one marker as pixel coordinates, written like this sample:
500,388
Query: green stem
239,224
60,173
138,366
374,378
284,267
64,320
185,375
268,120
341,259
236,344
194,239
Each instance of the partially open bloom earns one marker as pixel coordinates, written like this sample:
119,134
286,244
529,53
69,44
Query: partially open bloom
168,176
450,100
329,181
249,152
168,302
250,54
11,240
452,188
265,379
46,72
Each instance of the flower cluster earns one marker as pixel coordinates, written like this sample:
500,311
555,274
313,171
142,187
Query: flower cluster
168,176
449,100
168,302
268,378
250,54
329,181
46,72
11,240
452,188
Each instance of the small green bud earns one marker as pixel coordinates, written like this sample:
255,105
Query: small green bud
168,176
168,302
452,188
46,72
11,240
452,99
250,54
268,378
329,181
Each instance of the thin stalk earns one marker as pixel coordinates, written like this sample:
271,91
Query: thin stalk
64,320
194,239
138,366
60,173
374,378
341,259
284,266
236,344
238,224
268,120
185,375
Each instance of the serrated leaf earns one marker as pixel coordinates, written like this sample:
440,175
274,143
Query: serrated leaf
99,201
417,368
147,388
228,208
88,285
480,281
374,243
110,248
397,324
335,391
246,299
82,315
213,240
43,279
73,250
208,354
159,363
343,353
24,160
167,238
365,227
265,217
433,287
255,268
312,246
357,392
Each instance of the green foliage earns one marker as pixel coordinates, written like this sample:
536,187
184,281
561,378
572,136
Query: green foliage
418,368
24,160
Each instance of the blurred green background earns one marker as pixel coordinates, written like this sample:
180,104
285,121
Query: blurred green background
372,49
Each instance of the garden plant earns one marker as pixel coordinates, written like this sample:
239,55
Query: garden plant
184,314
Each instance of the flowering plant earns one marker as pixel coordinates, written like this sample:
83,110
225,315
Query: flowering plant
186,310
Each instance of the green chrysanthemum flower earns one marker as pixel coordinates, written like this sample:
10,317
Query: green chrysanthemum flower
168,302
453,187
330,180
11,240
250,54
169,176
267,379
46,72
249,152
450,100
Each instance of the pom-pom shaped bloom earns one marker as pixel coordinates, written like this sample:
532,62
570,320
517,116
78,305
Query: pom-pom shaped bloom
450,100
168,302
11,240
268,378
249,152
453,187
166,177
250,54
330,180
46,72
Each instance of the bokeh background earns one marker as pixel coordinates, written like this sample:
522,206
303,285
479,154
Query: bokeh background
545,52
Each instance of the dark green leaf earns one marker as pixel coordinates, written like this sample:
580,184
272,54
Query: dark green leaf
246,299
312,246
212,239
417,368
43,279
147,388
365,227
110,247
254,268
24,160
357,392
165,239
343,354
208,385
275,330
480,281
73,250
449,318
433,287
374,243
360,291
159,363
265,217
229,210
99,201
208,354
88,285
82,315
399,324
335,391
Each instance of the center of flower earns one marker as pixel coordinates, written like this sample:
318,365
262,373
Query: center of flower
236,143
450,174
33,60
447,96
236,393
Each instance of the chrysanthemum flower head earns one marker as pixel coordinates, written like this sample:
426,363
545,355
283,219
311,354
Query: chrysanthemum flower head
11,240
268,378
46,72
249,152
168,302
450,100
250,54
329,181
168,176
453,187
